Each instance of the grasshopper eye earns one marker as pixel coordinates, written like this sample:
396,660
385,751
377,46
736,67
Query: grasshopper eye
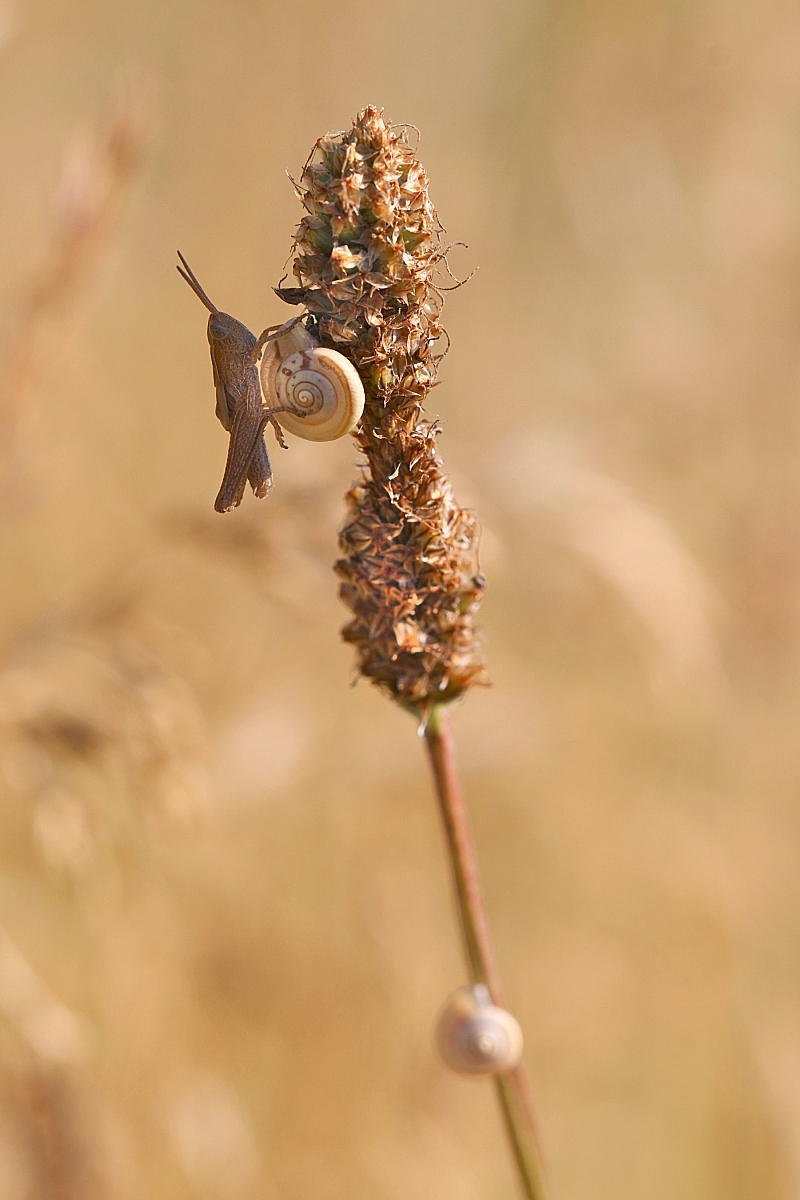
216,327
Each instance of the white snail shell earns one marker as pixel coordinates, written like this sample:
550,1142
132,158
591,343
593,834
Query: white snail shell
475,1037
313,380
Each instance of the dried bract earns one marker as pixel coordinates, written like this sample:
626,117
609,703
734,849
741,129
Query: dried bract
365,259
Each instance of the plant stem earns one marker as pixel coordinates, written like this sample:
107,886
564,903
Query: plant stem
513,1091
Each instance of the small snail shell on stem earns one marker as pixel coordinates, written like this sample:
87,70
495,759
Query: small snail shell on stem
321,385
475,1037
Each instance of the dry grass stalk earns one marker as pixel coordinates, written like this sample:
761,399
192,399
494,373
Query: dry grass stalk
366,255
95,180
83,698
49,1135
42,1096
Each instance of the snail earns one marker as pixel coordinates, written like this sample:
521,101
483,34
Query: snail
475,1037
320,388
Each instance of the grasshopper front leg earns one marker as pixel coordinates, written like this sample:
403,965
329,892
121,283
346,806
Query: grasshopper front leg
271,332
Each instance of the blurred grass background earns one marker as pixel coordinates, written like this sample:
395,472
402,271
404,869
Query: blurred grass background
225,923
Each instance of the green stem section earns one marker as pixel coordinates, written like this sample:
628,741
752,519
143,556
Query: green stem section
513,1091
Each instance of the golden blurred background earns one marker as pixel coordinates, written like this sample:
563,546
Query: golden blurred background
225,919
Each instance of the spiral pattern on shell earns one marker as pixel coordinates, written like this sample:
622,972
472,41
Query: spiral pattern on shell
321,385
475,1037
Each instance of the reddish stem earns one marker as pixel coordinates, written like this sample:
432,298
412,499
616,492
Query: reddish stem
512,1086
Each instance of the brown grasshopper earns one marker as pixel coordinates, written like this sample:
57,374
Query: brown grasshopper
234,354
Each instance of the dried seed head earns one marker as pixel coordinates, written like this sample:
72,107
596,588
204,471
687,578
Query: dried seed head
365,256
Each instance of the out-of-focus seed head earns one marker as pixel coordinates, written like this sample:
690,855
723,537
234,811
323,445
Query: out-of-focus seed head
366,252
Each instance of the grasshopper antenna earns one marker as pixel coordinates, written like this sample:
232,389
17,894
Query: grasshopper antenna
193,283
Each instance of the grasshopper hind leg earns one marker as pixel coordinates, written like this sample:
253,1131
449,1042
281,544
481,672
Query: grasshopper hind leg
259,475
246,435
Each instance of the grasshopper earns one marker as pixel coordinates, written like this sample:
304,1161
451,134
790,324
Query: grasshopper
234,354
